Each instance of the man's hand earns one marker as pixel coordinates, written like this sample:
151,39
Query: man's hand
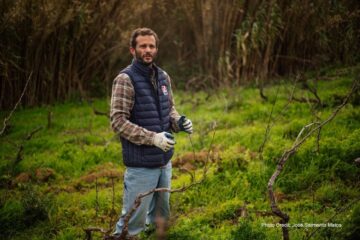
164,141
185,125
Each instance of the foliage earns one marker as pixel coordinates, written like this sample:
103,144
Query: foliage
72,50
245,231
65,178
22,210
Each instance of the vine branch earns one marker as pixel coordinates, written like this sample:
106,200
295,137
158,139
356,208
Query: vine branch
17,103
137,202
286,155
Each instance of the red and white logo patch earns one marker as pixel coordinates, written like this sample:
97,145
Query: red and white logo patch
164,90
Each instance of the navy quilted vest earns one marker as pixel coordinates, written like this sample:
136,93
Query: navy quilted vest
151,111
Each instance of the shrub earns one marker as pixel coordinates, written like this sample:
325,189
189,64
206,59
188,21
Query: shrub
11,217
22,213
351,228
246,231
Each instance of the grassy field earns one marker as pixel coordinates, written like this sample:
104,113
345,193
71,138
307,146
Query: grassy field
67,175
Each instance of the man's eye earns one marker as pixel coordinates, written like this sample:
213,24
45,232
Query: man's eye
145,46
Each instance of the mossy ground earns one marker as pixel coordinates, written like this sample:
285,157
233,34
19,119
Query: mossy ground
62,181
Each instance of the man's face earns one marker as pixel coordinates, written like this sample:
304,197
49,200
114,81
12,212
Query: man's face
145,49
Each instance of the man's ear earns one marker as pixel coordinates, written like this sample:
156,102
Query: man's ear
132,51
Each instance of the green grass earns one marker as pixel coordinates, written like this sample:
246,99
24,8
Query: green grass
80,149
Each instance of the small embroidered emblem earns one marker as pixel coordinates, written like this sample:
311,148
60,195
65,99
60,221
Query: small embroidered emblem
164,90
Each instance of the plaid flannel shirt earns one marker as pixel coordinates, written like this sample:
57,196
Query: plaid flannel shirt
122,102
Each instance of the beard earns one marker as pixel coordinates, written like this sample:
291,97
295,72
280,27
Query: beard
142,57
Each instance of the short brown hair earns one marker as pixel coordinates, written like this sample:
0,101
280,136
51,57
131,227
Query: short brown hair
142,32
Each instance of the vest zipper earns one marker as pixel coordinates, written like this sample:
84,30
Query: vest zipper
156,91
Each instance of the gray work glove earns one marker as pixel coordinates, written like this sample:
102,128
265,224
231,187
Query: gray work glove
164,141
185,125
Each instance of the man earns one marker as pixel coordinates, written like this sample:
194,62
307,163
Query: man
144,115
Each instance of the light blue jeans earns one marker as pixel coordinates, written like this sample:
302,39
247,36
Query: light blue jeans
141,180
